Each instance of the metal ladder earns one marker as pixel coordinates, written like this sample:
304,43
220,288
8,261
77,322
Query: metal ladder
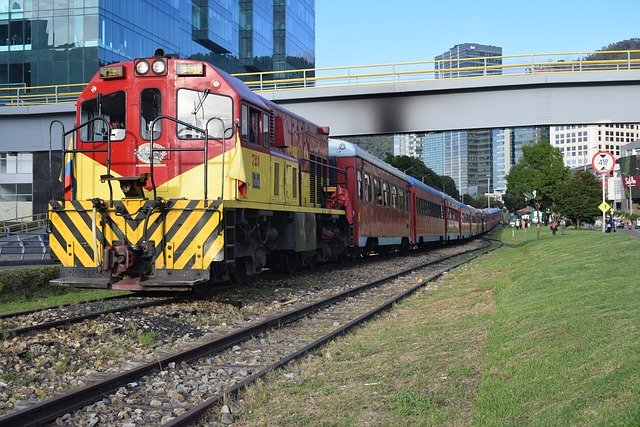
230,235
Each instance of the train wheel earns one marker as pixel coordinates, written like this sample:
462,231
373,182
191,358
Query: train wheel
288,262
238,275
312,261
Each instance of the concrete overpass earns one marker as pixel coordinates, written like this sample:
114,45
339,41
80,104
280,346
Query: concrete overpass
493,101
469,103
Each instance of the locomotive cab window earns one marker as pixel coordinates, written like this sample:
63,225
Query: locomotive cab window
251,129
150,109
202,108
359,184
112,108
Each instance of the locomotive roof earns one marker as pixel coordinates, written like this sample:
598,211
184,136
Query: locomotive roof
247,94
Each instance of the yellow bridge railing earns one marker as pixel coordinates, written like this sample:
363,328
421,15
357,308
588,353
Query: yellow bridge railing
392,73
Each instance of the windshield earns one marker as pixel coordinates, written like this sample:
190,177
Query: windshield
112,107
197,108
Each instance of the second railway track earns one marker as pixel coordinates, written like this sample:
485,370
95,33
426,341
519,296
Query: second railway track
178,388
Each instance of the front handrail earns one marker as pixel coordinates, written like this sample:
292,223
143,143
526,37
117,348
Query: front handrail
74,150
205,148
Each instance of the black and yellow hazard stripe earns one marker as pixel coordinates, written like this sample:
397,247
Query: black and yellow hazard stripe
187,234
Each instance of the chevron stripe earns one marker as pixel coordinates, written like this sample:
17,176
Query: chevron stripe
192,228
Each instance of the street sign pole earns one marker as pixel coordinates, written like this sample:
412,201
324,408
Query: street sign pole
604,214
603,163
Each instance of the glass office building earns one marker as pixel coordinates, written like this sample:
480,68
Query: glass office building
64,41
58,42
457,62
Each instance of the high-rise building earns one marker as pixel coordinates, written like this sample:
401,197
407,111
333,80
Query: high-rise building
433,152
579,143
465,156
458,62
407,144
58,42
46,42
501,159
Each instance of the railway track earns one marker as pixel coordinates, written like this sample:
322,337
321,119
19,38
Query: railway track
43,319
180,388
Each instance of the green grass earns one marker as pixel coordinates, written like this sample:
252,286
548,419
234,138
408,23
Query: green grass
541,332
28,288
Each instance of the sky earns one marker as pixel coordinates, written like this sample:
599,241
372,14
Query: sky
360,32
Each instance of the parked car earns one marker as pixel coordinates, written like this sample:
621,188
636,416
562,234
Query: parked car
587,226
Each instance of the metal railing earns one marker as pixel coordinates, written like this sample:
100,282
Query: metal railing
400,72
37,95
23,224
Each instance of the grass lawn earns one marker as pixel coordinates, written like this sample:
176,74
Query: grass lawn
25,288
541,332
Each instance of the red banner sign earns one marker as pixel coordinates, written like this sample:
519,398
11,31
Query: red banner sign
630,181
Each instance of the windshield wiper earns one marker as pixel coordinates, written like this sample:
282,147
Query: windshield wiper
205,93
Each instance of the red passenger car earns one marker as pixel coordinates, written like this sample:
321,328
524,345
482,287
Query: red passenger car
429,223
380,199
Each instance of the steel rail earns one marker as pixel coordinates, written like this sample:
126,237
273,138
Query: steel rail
77,319
53,307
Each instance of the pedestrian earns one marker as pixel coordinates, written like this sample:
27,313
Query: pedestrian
554,227
563,225
538,229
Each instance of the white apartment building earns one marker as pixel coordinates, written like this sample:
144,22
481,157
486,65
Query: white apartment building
579,143
408,144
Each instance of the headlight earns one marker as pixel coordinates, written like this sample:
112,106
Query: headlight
159,66
142,67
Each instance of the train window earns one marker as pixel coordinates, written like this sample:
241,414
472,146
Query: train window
385,193
265,129
251,130
394,197
245,122
112,108
359,184
377,191
368,191
150,109
202,108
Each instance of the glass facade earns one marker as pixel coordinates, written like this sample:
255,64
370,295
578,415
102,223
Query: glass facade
450,63
499,160
523,136
433,152
64,41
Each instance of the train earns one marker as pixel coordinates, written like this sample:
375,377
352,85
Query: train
177,177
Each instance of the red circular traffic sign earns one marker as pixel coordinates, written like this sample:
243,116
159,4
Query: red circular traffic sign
603,162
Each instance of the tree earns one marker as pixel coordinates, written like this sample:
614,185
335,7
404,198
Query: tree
537,174
513,203
579,197
417,169
629,44
449,186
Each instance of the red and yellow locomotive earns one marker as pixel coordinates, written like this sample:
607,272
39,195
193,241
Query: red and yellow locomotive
182,177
